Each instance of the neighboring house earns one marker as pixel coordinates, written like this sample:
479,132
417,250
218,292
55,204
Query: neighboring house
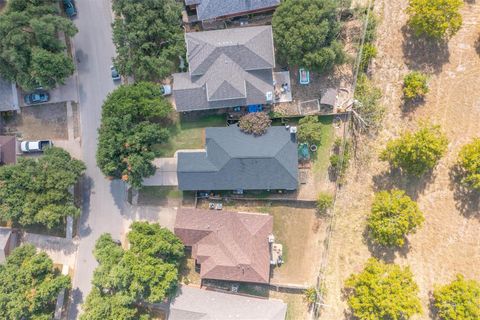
227,68
8,150
8,96
221,9
5,243
233,160
192,303
227,246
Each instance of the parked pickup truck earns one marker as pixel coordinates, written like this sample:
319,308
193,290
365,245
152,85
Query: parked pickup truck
35,146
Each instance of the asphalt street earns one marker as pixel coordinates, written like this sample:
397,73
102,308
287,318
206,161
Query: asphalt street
104,206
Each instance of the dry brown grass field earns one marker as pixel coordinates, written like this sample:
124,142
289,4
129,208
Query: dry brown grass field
449,241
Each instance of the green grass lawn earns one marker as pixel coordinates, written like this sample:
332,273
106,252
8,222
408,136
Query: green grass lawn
321,158
188,134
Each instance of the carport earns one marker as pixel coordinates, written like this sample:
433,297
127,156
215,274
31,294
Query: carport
165,174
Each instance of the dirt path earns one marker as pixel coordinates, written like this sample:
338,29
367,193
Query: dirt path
449,241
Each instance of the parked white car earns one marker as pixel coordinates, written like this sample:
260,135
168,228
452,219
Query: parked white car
35,146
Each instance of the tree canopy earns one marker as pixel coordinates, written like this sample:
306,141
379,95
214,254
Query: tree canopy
31,54
469,161
36,191
306,32
458,300
435,18
29,285
146,272
310,130
416,152
393,216
148,36
383,291
134,118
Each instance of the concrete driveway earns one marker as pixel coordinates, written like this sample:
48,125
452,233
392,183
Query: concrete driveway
62,93
60,250
165,173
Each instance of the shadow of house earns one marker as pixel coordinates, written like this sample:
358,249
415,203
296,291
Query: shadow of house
424,54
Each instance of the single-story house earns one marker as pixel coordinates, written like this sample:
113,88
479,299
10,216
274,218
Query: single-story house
228,246
5,243
193,303
234,160
8,96
226,68
208,10
8,150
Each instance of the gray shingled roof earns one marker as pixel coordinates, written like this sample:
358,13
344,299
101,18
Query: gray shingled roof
211,9
192,303
235,160
227,68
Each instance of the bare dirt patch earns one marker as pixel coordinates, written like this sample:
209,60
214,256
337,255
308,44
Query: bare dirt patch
47,121
449,242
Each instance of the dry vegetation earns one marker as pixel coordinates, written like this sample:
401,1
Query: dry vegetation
449,241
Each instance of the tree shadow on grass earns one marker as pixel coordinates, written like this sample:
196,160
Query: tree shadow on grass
467,201
432,311
410,105
386,254
395,179
422,53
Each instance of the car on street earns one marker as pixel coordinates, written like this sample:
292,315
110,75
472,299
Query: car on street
37,96
115,74
35,146
166,90
69,8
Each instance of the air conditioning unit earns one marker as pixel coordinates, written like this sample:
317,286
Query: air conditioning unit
269,96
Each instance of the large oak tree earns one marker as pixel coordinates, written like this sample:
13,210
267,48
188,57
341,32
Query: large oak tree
29,285
133,120
306,34
37,191
31,53
126,279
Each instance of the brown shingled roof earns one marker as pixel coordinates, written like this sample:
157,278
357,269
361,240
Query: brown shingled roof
228,246
8,152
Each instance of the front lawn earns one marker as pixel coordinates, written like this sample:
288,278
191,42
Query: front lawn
188,133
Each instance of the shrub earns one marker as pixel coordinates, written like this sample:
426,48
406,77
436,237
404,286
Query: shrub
458,300
310,295
338,164
368,53
416,152
469,161
393,216
324,202
368,106
415,85
383,291
255,123
435,18
310,130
